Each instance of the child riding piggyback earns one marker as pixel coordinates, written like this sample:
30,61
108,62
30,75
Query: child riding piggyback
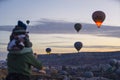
19,39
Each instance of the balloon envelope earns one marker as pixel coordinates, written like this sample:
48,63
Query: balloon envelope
77,27
78,45
98,17
48,50
113,62
27,21
88,74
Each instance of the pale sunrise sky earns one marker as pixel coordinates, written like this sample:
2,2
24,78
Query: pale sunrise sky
72,11
68,10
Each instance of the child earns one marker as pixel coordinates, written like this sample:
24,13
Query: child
19,37
18,41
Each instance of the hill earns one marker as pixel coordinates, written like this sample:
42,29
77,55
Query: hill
77,59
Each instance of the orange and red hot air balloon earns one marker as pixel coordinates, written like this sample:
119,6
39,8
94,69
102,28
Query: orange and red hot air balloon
98,17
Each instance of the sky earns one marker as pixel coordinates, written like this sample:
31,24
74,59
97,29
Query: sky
67,10
51,11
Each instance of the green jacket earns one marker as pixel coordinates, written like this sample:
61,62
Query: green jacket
21,63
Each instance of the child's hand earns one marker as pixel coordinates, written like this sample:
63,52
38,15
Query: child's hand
21,40
42,71
43,68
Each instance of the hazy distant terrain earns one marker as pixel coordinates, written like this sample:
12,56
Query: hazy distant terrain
77,59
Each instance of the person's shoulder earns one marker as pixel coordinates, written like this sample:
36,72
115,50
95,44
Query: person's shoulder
22,52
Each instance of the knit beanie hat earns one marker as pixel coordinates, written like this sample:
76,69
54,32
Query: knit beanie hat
22,25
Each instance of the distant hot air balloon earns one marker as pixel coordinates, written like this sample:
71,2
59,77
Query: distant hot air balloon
78,45
113,62
98,17
48,50
88,74
27,21
77,27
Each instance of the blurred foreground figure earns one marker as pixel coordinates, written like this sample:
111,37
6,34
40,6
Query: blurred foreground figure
20,57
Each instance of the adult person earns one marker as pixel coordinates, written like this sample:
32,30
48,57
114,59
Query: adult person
19,62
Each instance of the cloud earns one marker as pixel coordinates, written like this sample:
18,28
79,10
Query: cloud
3,43
72,46
56,26
110,47
61,46
109,31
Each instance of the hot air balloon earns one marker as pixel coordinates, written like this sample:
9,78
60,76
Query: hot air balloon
113,62
88,74
27,21
78,45
98,17
48,50
77,27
